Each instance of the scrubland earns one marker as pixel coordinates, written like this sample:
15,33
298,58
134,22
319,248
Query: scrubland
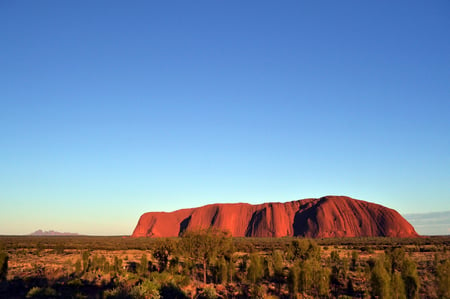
211,264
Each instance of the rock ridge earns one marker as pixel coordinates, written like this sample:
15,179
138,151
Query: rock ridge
325,217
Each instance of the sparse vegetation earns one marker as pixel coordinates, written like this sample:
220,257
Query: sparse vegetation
211,264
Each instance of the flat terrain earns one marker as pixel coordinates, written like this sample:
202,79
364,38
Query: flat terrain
122,267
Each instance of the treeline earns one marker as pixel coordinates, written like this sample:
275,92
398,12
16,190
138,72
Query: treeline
211,264
422,244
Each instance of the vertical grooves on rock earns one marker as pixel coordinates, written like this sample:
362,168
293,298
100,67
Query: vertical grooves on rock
330,216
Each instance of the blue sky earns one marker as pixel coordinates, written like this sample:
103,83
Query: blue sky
109,109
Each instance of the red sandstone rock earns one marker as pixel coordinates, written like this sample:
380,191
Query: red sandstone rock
329,216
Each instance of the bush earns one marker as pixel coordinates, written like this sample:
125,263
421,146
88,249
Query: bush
143,265
162,252
258,291
410,278
380,280
37,292
222,271
255,270
86,261
208,293
353,265
117,267
304,249
397,286
313,278
77,266
147,289
205,246
278,264
293,280
443,279
116,293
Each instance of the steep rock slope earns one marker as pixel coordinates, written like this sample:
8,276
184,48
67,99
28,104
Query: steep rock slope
329,216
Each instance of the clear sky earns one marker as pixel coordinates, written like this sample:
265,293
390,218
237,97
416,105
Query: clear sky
109,109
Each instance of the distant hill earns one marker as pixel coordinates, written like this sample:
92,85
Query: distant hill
325,217
435,223
40,232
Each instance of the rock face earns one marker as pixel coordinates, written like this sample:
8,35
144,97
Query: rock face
329,216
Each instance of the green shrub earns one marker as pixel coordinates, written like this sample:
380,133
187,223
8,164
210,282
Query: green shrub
143,265
222,271
37,292
162,252
117,268
443,279
205,246
258,291
313,278
410,278
278,263
116,293
380,280
255,270
397,286
354,261
208,293
77,266
293,280
147,289
86,260
303,249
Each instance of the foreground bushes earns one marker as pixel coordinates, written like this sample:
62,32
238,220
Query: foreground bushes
209,264
394,275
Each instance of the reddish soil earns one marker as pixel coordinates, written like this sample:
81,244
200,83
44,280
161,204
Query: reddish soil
329,216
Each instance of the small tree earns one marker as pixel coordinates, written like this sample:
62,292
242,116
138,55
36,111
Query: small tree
397,261
205,246
443,279
410,278
86,260
397,258
231,263
335,258
143,265
313,278
255,270
303,249
397,286
380,280
117,268
278,263
305,276
354,262
162,252
293,280
222,270
77,266
320,279
298,249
